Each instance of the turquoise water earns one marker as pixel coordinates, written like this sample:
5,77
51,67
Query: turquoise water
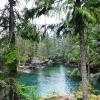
52,78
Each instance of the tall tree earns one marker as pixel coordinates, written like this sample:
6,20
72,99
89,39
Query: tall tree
80,29
12,36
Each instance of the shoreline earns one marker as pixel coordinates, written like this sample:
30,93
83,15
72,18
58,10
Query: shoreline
69,96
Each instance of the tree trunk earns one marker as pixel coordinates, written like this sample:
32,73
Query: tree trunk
80,30
13,68
83,65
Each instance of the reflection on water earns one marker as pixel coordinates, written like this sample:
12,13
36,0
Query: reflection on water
50,79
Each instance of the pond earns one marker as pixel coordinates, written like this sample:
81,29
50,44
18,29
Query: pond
52,78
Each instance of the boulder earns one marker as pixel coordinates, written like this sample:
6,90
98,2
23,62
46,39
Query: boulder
7,90
4,90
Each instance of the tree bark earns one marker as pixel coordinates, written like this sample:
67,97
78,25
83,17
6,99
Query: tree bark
80,29
83,65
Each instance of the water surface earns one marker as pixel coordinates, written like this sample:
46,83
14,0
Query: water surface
52,78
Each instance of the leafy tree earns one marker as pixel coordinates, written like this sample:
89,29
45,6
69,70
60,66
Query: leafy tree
84,11
13,25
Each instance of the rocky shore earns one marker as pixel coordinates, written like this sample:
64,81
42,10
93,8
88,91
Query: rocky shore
65,97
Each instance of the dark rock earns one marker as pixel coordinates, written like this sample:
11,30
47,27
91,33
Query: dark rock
7,90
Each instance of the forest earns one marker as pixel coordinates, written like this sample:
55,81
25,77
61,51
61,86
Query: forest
49,49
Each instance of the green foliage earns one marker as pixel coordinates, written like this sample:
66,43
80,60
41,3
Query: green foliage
94,76
75,72
93,3
70,1
10,56
22,91
10,61
88,15
51,46
23,58
28,31
28,96
42,7
79,95
4,21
